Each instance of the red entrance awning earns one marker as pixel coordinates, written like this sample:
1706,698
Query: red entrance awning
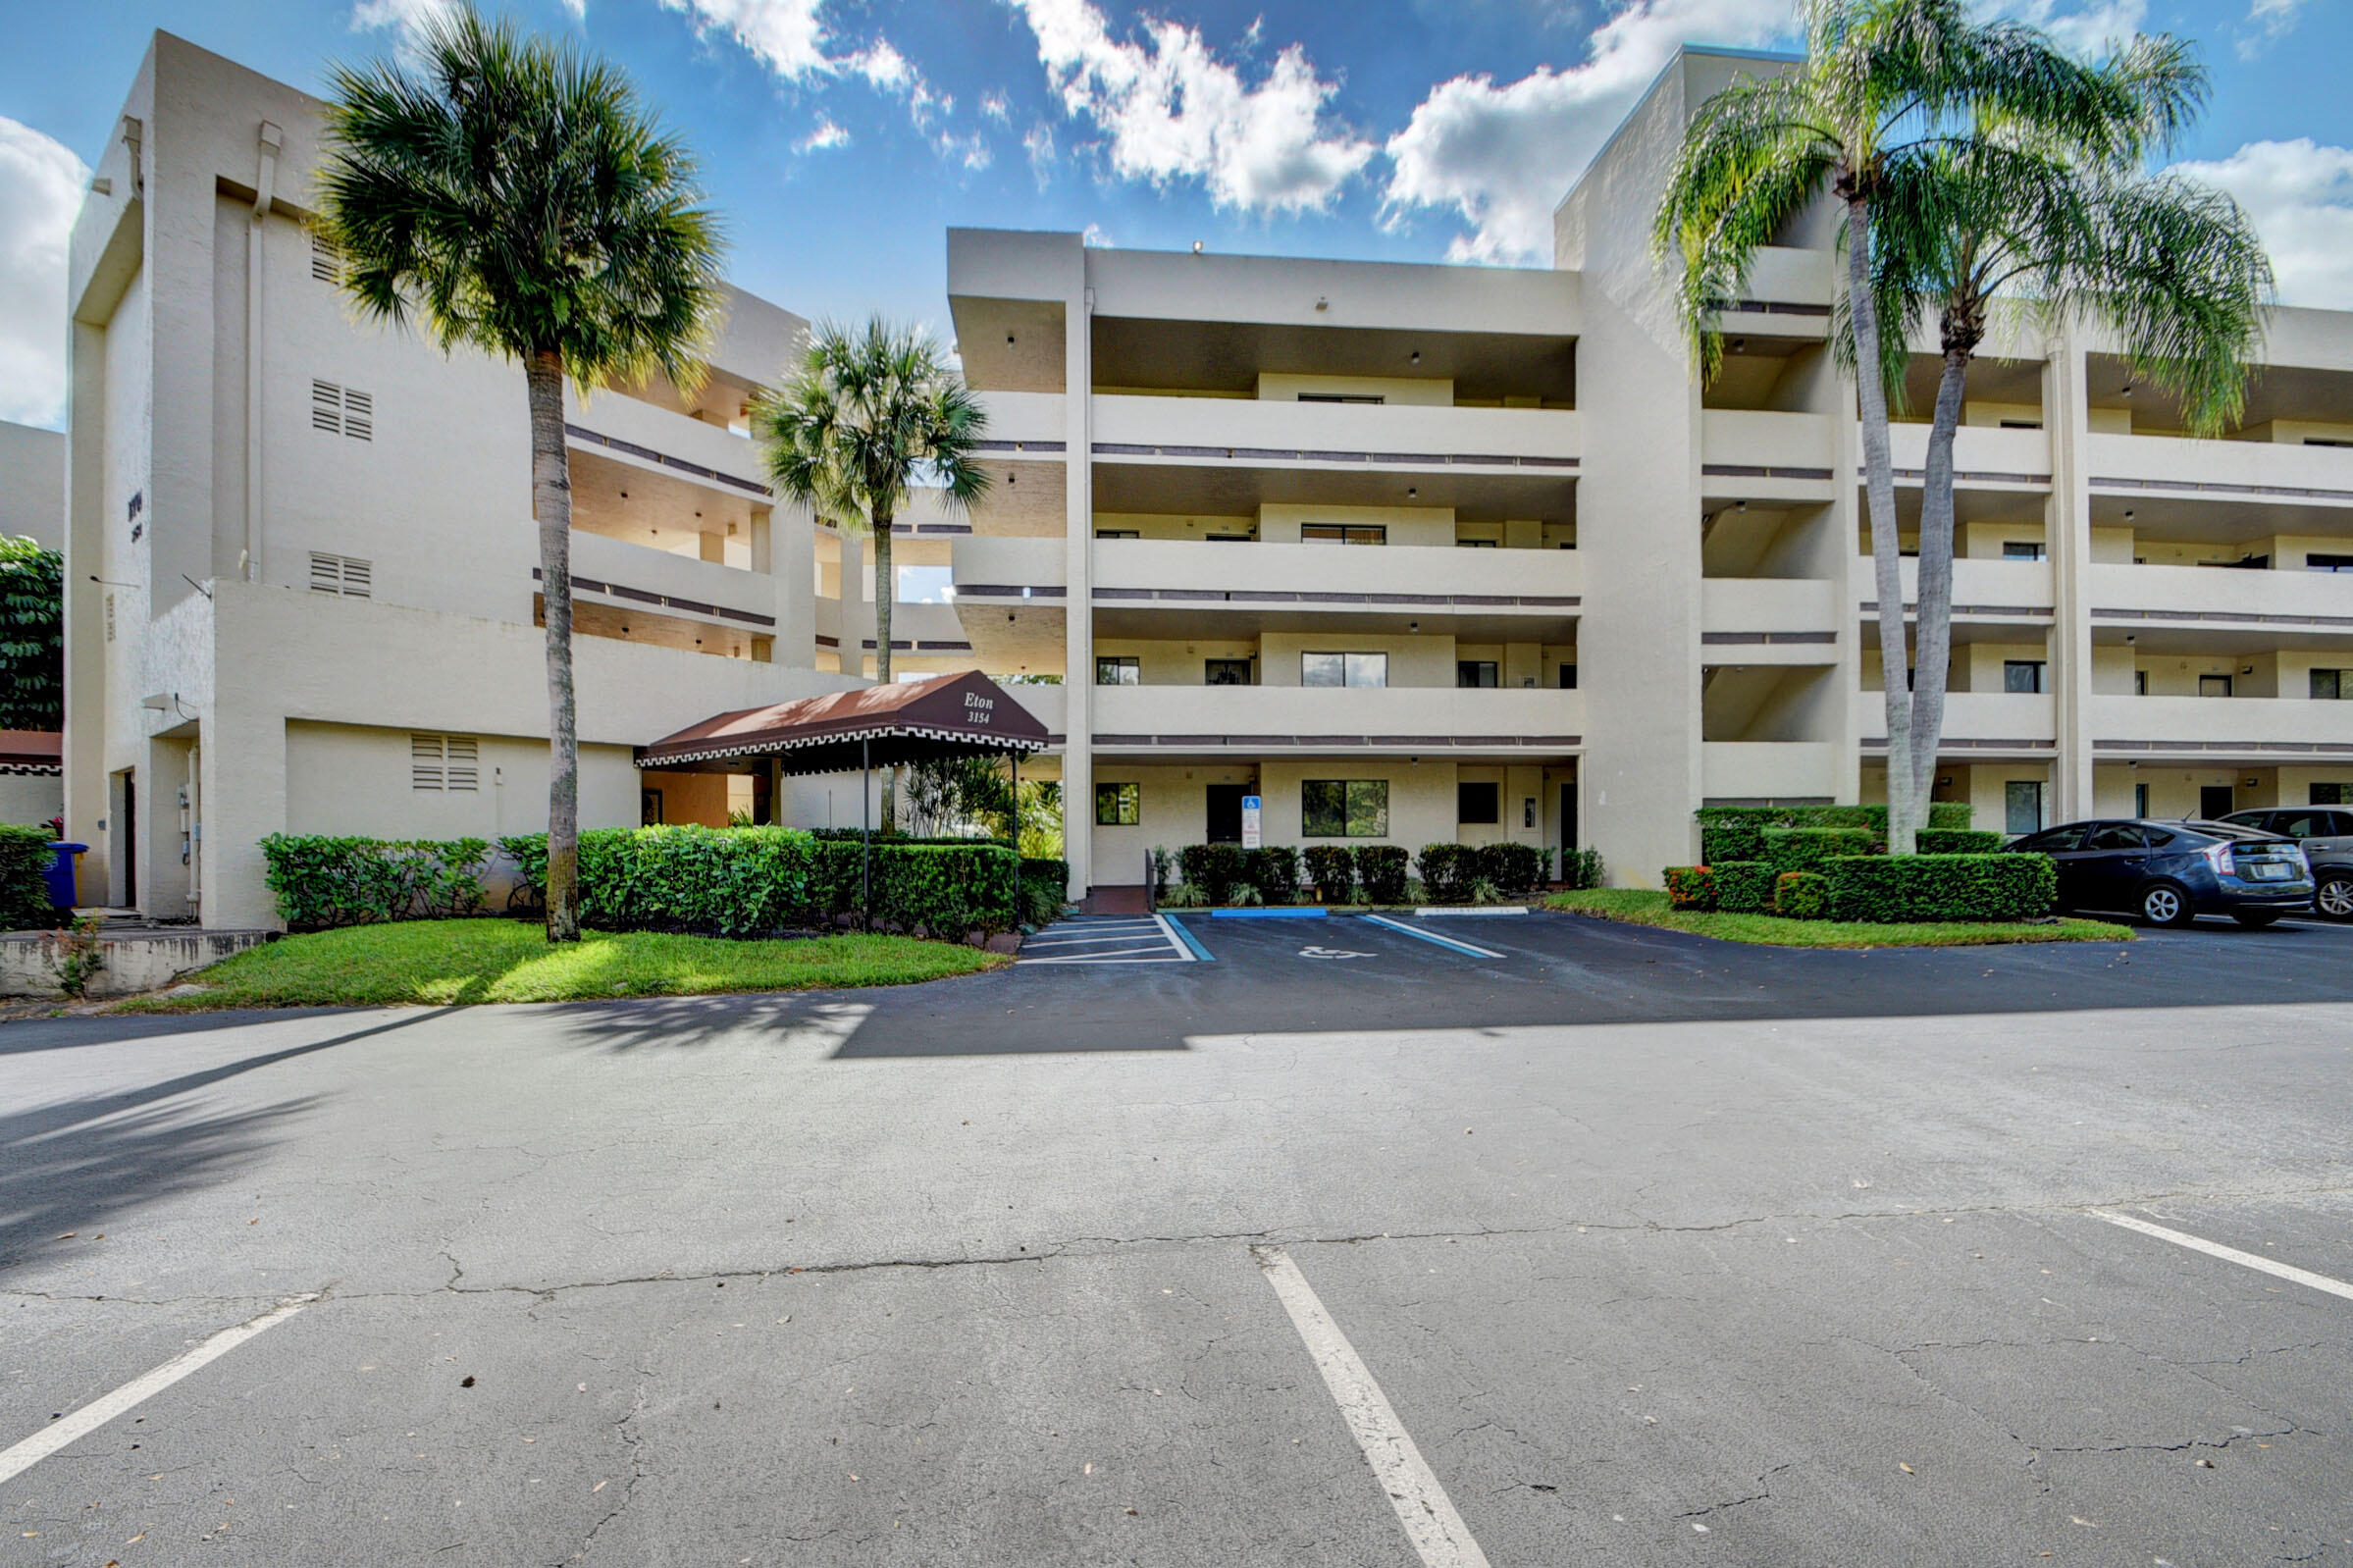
884,725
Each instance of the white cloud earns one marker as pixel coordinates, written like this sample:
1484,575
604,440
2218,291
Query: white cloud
785,35
407,16
1172,110
578,8
2085,26
993,106
42,184
1502,157
2300,194
1097,239
827,136
1039,145
2271,20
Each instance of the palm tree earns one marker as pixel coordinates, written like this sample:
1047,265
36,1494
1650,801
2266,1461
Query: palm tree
866,416
2057,231
510,195
1881,79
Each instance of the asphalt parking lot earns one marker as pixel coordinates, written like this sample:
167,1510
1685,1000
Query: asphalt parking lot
1614,1245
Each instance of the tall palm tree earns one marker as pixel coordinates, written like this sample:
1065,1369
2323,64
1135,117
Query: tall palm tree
2055,232
1881,79
510,195
869,414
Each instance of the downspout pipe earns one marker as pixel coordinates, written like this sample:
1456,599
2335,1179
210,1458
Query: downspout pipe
271,140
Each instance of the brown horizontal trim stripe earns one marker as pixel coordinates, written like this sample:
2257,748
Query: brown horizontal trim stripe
2146,616
1288,455
1946,743
1196,596
1385,742
2265,748
1755,470
1010,591
1870,607
1774,307
1729,639
1021,447
2211,488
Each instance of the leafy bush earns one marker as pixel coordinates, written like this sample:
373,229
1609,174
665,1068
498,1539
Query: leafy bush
1801,895
1381,868
1804,848
1941,814
1690,887
1734,841
1332,868
1446,871
1214,869
1246,897
324,880
1958,841
1513,868
1941,887
1743,887
725,881
1274,872
1045,889
945,891
32,665
1163,863
1581,868
23,894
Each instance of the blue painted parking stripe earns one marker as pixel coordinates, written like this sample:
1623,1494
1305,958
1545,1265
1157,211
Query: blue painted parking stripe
1176,928
1432,936
1277,914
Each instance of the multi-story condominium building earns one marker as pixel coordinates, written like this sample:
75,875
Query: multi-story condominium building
302,571
1440,553
1408,554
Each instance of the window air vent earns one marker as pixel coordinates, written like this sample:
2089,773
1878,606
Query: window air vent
325,264
342,410
448,763
342,574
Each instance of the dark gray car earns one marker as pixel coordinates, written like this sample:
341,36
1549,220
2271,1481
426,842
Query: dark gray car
2327,834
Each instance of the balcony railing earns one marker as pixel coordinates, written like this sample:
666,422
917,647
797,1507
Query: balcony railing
1996,589
1298,716
679,584
1759,444
1974,720
639,430
1184,571
2294,600
1981,454
2242,726
1737,606
1759,770
1405,436
2229,469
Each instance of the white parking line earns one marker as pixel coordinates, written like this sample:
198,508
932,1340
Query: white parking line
1432,937
15,1461
1144,939
1431,1523
2214,1249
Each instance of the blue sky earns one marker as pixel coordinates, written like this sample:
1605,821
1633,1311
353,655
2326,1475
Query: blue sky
842,136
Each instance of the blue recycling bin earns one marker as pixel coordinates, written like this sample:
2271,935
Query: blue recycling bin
59,872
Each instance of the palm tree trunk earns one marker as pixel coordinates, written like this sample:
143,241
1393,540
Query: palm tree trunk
552,504
886,591
1879,492
1935,630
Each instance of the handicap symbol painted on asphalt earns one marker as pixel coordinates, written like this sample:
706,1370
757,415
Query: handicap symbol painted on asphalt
1331,952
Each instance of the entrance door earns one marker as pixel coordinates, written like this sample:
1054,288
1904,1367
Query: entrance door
1568,818
2213,800
130,840
1226,813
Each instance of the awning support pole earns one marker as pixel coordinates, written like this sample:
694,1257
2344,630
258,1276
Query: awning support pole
1015,757
865,832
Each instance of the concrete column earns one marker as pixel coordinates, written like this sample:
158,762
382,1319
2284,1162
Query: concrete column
2067,419
87,785
858,613
1078,524
786,546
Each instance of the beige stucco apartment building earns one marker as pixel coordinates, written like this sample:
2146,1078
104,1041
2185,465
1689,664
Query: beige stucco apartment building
1407,553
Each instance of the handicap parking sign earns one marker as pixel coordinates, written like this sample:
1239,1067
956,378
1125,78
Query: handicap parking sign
1251,820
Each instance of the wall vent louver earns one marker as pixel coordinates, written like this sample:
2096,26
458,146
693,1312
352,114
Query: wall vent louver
443,762
325,265
342,410
347,575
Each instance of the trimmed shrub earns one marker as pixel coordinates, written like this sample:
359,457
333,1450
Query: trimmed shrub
1045,889
1802,895
1941,814
1215,868
1887,889
324,880
1958,841
1804,848
1731,842
1743,887
944,891
1581,867
1513,868
1447,871
1690,887
727,881
1332,868
1274,872
23,894
1381,869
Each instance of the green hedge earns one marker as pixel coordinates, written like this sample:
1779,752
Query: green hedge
1806,849
1214,869
1332,868
1958,841
1381,868
1743,887
1690,887
1755,818
325,880
1513,868
1581,867
1448,872
1045,889
1275,872
23,894
1883,889
1802,895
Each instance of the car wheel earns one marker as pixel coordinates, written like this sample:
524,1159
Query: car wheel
2334,899
2167,904
2256,920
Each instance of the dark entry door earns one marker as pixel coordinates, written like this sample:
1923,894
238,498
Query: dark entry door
130,840
1226,813
2213,800
1568,818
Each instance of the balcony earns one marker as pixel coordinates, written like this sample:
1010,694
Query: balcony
1261,718
994,561
1337,576
1761,613
2240,469
678,585
1982,456
1976,723
1982,590
2295,600
1251,431
638,432
2245,728
1033,420
1768,770
1763,445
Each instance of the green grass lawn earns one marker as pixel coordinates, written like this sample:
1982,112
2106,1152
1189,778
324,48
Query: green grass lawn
437,962
1641,907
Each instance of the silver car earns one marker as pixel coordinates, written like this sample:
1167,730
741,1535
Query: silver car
2327,834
